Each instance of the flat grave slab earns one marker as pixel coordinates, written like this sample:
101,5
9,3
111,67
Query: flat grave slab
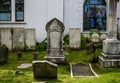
25,65
81,69
39,82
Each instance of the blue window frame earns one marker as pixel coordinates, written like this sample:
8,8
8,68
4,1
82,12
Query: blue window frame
94,16
5,10
19,10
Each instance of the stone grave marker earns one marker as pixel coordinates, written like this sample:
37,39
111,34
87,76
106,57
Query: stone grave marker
6,37
30,39
35,55
95,37
81,69
110,57
4,52
25,65
18,39
74,38
19,56
90,48
55,53
44,69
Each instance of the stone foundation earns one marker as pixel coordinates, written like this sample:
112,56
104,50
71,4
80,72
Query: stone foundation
110,57
109,60
57,60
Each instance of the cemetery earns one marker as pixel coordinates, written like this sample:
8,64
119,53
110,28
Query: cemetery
75,57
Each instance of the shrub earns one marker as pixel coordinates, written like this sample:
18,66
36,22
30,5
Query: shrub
41,46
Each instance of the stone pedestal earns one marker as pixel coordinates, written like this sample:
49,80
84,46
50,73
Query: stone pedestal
55,53
110,57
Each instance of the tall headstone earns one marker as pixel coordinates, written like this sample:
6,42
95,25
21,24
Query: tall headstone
6,37
55,53
18,39
74,38
30,39
110,57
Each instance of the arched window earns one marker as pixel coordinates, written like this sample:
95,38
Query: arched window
94,15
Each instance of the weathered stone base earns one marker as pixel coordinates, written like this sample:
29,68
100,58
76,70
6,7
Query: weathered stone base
108,61
57,60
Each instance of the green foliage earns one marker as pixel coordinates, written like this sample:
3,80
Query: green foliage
41,46
12,31
108,75
84,42
118,36
66,39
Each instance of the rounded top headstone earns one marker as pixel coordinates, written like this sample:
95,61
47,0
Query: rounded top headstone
95,37
55,25
103,36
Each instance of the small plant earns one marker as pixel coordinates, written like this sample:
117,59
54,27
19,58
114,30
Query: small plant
41,46
84,42
66,39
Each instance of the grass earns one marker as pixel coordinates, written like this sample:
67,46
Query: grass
108,75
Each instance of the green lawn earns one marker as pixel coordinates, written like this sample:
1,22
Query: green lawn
109,75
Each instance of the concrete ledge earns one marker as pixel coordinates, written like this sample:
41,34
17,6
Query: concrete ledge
57,60
108,63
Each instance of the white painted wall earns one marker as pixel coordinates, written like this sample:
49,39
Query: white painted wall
37,14
73,14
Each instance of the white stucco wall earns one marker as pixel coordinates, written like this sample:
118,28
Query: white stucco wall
37,14
73,14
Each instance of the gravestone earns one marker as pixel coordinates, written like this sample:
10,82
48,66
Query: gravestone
6,37
18,39
35,55
81,69
44,69
110,57
95,37
55,53
74,38
25,65
90,48
3,54
30,39
19,55
103,37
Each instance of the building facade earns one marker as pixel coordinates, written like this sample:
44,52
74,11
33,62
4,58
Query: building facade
83,14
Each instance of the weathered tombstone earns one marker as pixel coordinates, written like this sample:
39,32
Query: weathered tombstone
6,37
3,54
74,38
55,53
90,48
95,37
103,37
18,39
110,57
44,69
19,56
30,39
35,55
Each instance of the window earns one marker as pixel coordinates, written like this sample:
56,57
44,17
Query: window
19,10
94,15
5,10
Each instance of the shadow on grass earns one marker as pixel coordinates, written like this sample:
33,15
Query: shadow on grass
48,80
100,71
